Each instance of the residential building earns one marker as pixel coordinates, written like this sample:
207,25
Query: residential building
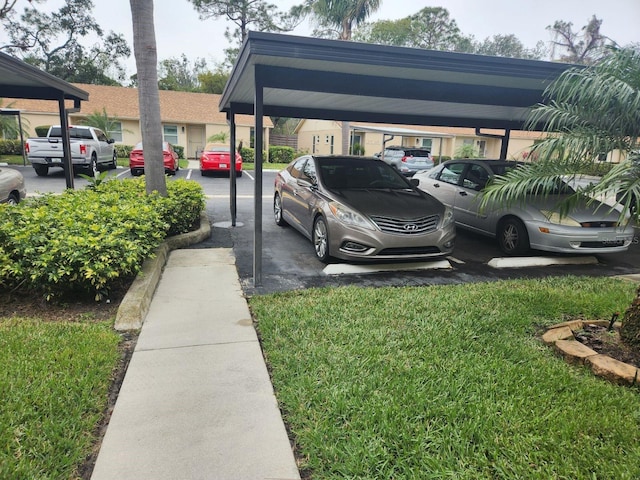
188,119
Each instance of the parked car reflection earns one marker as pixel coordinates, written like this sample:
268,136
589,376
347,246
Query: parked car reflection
532,224
359,208
12,188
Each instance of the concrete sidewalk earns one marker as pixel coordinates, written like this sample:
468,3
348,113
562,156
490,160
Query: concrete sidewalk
197,401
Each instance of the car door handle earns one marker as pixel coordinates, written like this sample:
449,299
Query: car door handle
463,193
436,185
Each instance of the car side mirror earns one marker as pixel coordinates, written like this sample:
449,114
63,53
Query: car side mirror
111,140
305,183
414,182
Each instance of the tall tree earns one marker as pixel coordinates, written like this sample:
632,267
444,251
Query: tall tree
585,47
213,82
7,6
53,42
508,46
144,46
257,15
589,111
178,74
336,18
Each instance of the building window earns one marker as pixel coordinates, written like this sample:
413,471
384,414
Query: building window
331,148
170,133
116,131
482,148
427,143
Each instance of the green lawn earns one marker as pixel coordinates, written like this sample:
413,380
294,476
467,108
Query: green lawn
448,382
54,380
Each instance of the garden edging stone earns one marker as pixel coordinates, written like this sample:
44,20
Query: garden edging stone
135,304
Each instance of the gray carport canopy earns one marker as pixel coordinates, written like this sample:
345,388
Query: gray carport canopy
21,80
300,77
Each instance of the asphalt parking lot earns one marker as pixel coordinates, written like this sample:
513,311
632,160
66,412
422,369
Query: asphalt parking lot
288,261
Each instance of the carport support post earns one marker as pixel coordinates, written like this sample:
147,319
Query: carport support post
232,167
66,144
257,205
505,144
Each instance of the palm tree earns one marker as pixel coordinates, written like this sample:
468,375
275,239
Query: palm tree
590,112
144,46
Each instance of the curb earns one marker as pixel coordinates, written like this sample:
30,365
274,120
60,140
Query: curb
135,304
561,336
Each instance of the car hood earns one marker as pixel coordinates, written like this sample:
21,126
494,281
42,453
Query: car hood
583,211
406,204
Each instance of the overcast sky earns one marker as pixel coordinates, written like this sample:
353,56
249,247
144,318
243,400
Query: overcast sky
179,30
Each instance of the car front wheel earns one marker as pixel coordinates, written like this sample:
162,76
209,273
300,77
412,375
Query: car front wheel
41,170
513,237
277,211
320,239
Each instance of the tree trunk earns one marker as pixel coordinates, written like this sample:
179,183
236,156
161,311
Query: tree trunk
630,331
144,46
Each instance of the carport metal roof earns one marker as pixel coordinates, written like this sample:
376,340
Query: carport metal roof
21,80
301,77
336,80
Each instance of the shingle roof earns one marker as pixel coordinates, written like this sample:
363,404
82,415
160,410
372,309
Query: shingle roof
122,103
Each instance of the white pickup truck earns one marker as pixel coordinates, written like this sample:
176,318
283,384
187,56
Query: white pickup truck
91,150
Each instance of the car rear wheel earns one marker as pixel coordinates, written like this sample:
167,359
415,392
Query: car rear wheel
277,211
41,170
92,168
320,238
13,199
513,237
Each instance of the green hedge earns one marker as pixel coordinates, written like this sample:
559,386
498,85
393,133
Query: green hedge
86,242
123,151
276,154
179,150
42,130
10,147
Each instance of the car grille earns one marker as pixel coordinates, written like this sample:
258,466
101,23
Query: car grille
414,226
599,224
409,251
607,244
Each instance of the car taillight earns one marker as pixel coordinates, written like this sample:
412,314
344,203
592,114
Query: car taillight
83,149
26,147
404,159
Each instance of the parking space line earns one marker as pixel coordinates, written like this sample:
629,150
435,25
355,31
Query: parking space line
520,262
348,269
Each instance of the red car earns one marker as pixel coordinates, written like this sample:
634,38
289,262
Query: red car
216,158
171,161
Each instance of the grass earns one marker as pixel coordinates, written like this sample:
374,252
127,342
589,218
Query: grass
54,381
447,382
265,166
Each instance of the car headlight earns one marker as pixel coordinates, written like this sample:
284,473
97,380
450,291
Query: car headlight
447,217
349,217
554,217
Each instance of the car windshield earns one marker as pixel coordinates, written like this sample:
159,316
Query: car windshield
349,174
217,148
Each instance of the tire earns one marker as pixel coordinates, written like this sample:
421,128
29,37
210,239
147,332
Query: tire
92,168
41,170
13,199
114,162
277,211
239,174
513,237
320,239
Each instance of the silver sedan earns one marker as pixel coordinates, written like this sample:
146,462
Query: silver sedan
532,224
12,189
359,208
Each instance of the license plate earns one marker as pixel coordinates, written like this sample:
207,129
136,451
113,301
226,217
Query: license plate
223,165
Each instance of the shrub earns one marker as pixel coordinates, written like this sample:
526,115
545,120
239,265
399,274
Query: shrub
42,130
357,149
179,150
10,147
249,155
123,151
87,241
279,154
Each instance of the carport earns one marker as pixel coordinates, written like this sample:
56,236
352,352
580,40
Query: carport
301,77
21,80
